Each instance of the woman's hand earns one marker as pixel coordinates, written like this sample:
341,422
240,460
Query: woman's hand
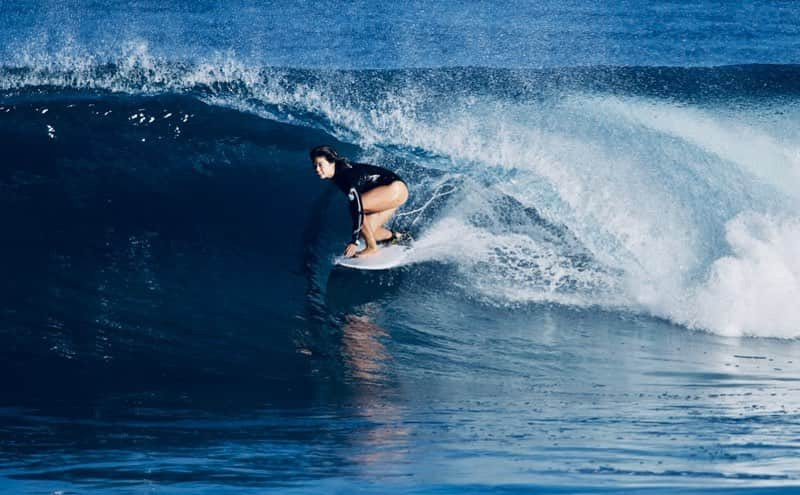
350,250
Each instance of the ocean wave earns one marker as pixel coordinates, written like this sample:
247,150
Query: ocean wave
627,188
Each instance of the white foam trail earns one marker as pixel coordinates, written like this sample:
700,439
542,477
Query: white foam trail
510,268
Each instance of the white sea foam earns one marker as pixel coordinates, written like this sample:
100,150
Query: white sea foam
755,290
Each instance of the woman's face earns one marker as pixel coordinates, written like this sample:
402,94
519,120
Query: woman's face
324,168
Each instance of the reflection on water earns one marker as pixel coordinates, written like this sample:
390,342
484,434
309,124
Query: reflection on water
440,397
364,354
367,362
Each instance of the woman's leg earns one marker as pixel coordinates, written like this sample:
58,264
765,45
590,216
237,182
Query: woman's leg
379,205
376,221
383,198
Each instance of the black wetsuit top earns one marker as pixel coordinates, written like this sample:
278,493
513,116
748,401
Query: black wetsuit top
354,179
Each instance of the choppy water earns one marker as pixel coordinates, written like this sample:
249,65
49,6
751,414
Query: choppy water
602,297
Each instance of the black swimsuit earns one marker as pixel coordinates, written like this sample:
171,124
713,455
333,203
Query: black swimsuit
354,179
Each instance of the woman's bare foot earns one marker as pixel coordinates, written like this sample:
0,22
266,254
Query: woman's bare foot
367,252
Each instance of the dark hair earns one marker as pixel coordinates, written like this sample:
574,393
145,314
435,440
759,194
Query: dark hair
329,154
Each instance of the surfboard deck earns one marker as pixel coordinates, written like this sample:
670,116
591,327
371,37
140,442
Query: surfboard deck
387,257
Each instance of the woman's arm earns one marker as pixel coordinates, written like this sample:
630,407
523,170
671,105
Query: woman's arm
356,214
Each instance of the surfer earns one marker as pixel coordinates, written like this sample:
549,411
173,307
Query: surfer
374,194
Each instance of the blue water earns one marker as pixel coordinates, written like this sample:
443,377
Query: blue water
602,296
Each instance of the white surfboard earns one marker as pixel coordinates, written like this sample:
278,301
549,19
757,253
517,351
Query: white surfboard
387,257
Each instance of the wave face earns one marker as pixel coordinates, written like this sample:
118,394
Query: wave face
663,191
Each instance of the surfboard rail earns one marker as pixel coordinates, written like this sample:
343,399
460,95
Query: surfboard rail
387,257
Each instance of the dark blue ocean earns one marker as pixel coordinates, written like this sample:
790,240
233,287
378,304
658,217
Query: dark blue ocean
604,291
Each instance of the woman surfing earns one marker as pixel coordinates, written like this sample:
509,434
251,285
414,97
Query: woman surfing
374,194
